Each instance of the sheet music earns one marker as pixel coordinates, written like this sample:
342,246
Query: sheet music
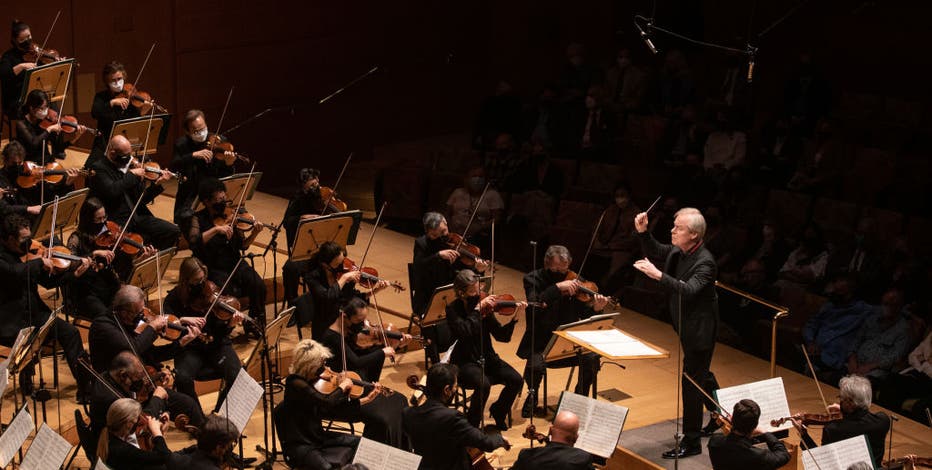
14,436
101,465
838,455
47,451
614,343
600,423
4,378
242,400
769,394
378,456
445,357
20,339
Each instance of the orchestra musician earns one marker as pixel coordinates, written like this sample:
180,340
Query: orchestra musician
195,161
41,144
21,305
118,184
125,375
473,326
219,245
550,286
305,204
92,293
439,434
688,279
109,107
12,66
330,287
365,359
118,445
214,449
559,452
737,450
211,354
26,201
125,330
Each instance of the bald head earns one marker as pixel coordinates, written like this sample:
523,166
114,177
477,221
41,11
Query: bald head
565,428
119,146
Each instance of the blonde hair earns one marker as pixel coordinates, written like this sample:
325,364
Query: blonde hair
122,414
309,357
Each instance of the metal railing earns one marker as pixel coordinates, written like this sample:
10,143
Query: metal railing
780,312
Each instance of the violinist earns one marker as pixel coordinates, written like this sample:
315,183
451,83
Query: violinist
474,325
127,329
550,286
737,450
92,293
21,305
26,201
12,66
195,161
352,324
307,203
559,451
109,106
214,449
124,376
219,245
36,130
215,353
119,443
118,184
439,434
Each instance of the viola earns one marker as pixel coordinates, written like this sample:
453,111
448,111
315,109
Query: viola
809,419
585,290
131,243
369,277
223,150
506,305
141,100
172,331
69,124
61,256
154,170
334,204
329,381
371,335
52,173
724,423
224,306
243,222
469,253
162,377
42,56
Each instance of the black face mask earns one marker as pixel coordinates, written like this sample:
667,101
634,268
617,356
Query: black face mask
472,301
196,289
15,170
25,245
555,276
97,227
356,328
25,46
313,192
136,385
219,206
123,159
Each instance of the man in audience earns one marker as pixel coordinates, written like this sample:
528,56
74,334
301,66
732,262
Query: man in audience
829,335
882,341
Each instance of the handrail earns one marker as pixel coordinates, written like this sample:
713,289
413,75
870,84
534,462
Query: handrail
781,312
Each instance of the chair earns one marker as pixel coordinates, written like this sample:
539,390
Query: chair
87,438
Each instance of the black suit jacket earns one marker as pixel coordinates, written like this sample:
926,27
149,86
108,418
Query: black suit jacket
872,425
20,304
691,275
466,324
119,191
560,310
553,456
430,271
125,455
102,396
440,436
194,170
192,458
735,452
106,340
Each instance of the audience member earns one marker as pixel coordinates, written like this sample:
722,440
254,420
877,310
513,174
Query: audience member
883,340
829,335
805,266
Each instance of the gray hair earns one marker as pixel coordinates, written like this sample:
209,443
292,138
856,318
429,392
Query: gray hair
862,465
432,220
126,296
857,390
309,357
463,279
558,251
696,222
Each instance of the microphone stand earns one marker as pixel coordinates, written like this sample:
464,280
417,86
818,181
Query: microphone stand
678,435
532,324
273,247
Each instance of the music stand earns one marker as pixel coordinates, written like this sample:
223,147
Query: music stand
235,185
273,332
340,227
136,129
443,296
144,274
50,78
268,342
68,207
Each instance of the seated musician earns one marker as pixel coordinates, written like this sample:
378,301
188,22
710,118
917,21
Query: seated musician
215,352
119,443
120,185
214,449
219,246
20,303
549,286
126,377
330,288
474,325
439,434
306,204
193,160
12,66
92,293
737,451
109,107
124,330
435,265
365,352
855,397
559,451
305,443
26,200
42,144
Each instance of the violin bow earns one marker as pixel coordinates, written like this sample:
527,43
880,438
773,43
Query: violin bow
709,397
472,216
492,261
49,35
333,190
48,252
224,113
816,379
90,369
362,263
129,219
595,233
220,292
375,303
144,63
242,196
133,348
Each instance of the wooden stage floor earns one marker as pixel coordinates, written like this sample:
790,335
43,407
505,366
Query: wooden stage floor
649,384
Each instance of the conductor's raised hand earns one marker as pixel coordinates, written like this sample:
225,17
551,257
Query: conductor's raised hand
640,222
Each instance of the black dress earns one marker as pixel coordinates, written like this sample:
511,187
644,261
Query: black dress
304,441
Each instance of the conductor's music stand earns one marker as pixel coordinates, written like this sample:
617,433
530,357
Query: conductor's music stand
144,274
68,207
51,78
235,185
139,132
341,227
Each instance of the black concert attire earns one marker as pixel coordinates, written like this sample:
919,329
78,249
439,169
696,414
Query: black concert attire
221,254
474,334
119,190
367,362
106,115
872,425
734,452
21,306
122,454
553,456
108,337
199,359
541,286
298,418
301,204
24,197
102,396
192,458
691,277
34,138
321,304
92,294
11,84
195,170
440,436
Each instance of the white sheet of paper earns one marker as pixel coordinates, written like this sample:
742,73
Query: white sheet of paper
47,451
20,338
242,400
101,465
600,423
837,455
378,456
769,394
614,343
4,378
15,435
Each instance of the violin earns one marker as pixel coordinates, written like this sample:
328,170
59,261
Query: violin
61,256
910,461
154,170
172,331
808,419
42,56
224,306
469,253
506,305
585,290
223,150
371,335
141,100
369,277
724,423
244,221
131,243
52,173
329,382
162,377
69,124
334,204
531,433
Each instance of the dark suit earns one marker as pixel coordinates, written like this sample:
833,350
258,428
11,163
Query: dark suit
690,277
321,304
305,442
102,396
194,170
734,452
872,425
192,458
440,436
125,455
553,456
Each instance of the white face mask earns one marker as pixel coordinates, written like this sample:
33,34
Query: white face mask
42,113
116,86
199,136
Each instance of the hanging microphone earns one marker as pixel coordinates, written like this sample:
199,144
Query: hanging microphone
646,37
752,52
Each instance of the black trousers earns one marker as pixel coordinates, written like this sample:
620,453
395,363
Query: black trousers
179,403
69,339
588,368
381,416
245,282
291,277
206,362
91,306
160,233
696,363
497,372
334,452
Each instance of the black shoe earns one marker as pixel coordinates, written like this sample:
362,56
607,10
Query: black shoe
528,408
710,428
683,452
501,419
